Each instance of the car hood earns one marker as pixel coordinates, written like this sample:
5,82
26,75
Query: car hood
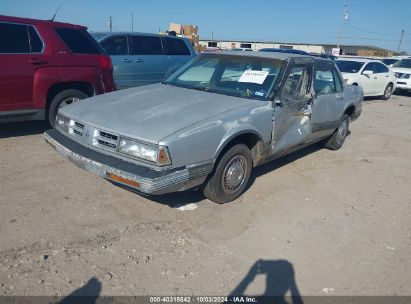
349,75
401,70
151,113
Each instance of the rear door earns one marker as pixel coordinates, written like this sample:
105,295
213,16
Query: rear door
118,48
383,77
292,114
178,52
21,54
328,104
148,62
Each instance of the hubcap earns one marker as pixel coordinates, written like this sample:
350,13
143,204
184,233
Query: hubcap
68,101
388,92
234,174
341,132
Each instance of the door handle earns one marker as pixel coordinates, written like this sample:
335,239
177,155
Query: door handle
339,97
36,61
386,76
139,60
126,60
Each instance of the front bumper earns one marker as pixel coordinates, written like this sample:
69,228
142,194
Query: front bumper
403,85
130,175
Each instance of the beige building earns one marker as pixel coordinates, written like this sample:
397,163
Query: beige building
359,50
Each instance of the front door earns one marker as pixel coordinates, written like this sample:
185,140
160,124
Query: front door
118,49
149,64
292,114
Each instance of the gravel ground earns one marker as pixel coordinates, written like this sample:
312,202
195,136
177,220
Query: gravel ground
313,223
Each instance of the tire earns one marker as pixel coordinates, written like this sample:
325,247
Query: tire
387,92
61,99
336,140
236,166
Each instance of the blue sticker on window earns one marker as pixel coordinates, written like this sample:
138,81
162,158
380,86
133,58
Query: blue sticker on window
259,93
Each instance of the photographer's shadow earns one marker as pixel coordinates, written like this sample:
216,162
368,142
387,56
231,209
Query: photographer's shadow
279,280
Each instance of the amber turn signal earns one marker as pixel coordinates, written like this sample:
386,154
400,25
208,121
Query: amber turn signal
123,180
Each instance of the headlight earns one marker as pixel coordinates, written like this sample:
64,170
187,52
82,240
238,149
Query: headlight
155,154
63,122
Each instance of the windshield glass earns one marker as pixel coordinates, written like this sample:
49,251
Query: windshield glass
98,36
389,61
403,63
241,76
346,66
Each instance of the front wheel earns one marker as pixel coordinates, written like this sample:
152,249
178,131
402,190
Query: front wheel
63,99
387,92
230,178
336,140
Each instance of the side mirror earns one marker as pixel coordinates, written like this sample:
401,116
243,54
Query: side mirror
367,72
278,102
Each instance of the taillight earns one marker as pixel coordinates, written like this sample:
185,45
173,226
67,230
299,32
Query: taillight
105,62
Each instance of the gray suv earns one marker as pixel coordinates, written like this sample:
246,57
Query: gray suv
141,59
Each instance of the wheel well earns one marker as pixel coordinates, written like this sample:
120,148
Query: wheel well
350,111
355,84
390,83
85,87
251,140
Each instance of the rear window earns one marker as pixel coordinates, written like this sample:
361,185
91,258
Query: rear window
78,41
14,39
19,39
174,46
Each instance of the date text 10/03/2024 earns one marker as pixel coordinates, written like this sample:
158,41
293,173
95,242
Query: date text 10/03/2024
189,299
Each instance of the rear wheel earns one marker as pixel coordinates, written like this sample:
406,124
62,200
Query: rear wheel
387,92
230,178
63,99
336,140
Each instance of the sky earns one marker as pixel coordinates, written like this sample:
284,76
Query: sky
370,22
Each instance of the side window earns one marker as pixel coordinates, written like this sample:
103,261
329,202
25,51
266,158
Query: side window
369,67
116,45
14,39
379,68
297,83
327,80
78,41
145,45
36,45
174,46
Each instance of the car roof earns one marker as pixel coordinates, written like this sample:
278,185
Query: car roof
358,59
107,34
38,21
270,55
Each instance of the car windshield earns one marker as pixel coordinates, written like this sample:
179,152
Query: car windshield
389,61
241,76
347,66
403,63
98,36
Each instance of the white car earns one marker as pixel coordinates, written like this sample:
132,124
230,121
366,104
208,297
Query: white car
375,78
402,70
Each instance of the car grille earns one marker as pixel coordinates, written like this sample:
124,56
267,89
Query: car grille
97,138
105,140
78,129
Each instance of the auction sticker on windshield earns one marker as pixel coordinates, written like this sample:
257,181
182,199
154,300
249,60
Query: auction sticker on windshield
253,76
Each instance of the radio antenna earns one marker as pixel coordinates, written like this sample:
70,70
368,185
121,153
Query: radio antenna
55,14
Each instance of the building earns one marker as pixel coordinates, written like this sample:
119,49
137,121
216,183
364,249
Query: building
356,50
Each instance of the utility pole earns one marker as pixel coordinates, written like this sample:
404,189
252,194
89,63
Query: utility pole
212,36
343,22
399,44
132,21
110,24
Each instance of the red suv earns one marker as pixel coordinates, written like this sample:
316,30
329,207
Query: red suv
45,65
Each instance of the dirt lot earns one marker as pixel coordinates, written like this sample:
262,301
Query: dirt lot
316,222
